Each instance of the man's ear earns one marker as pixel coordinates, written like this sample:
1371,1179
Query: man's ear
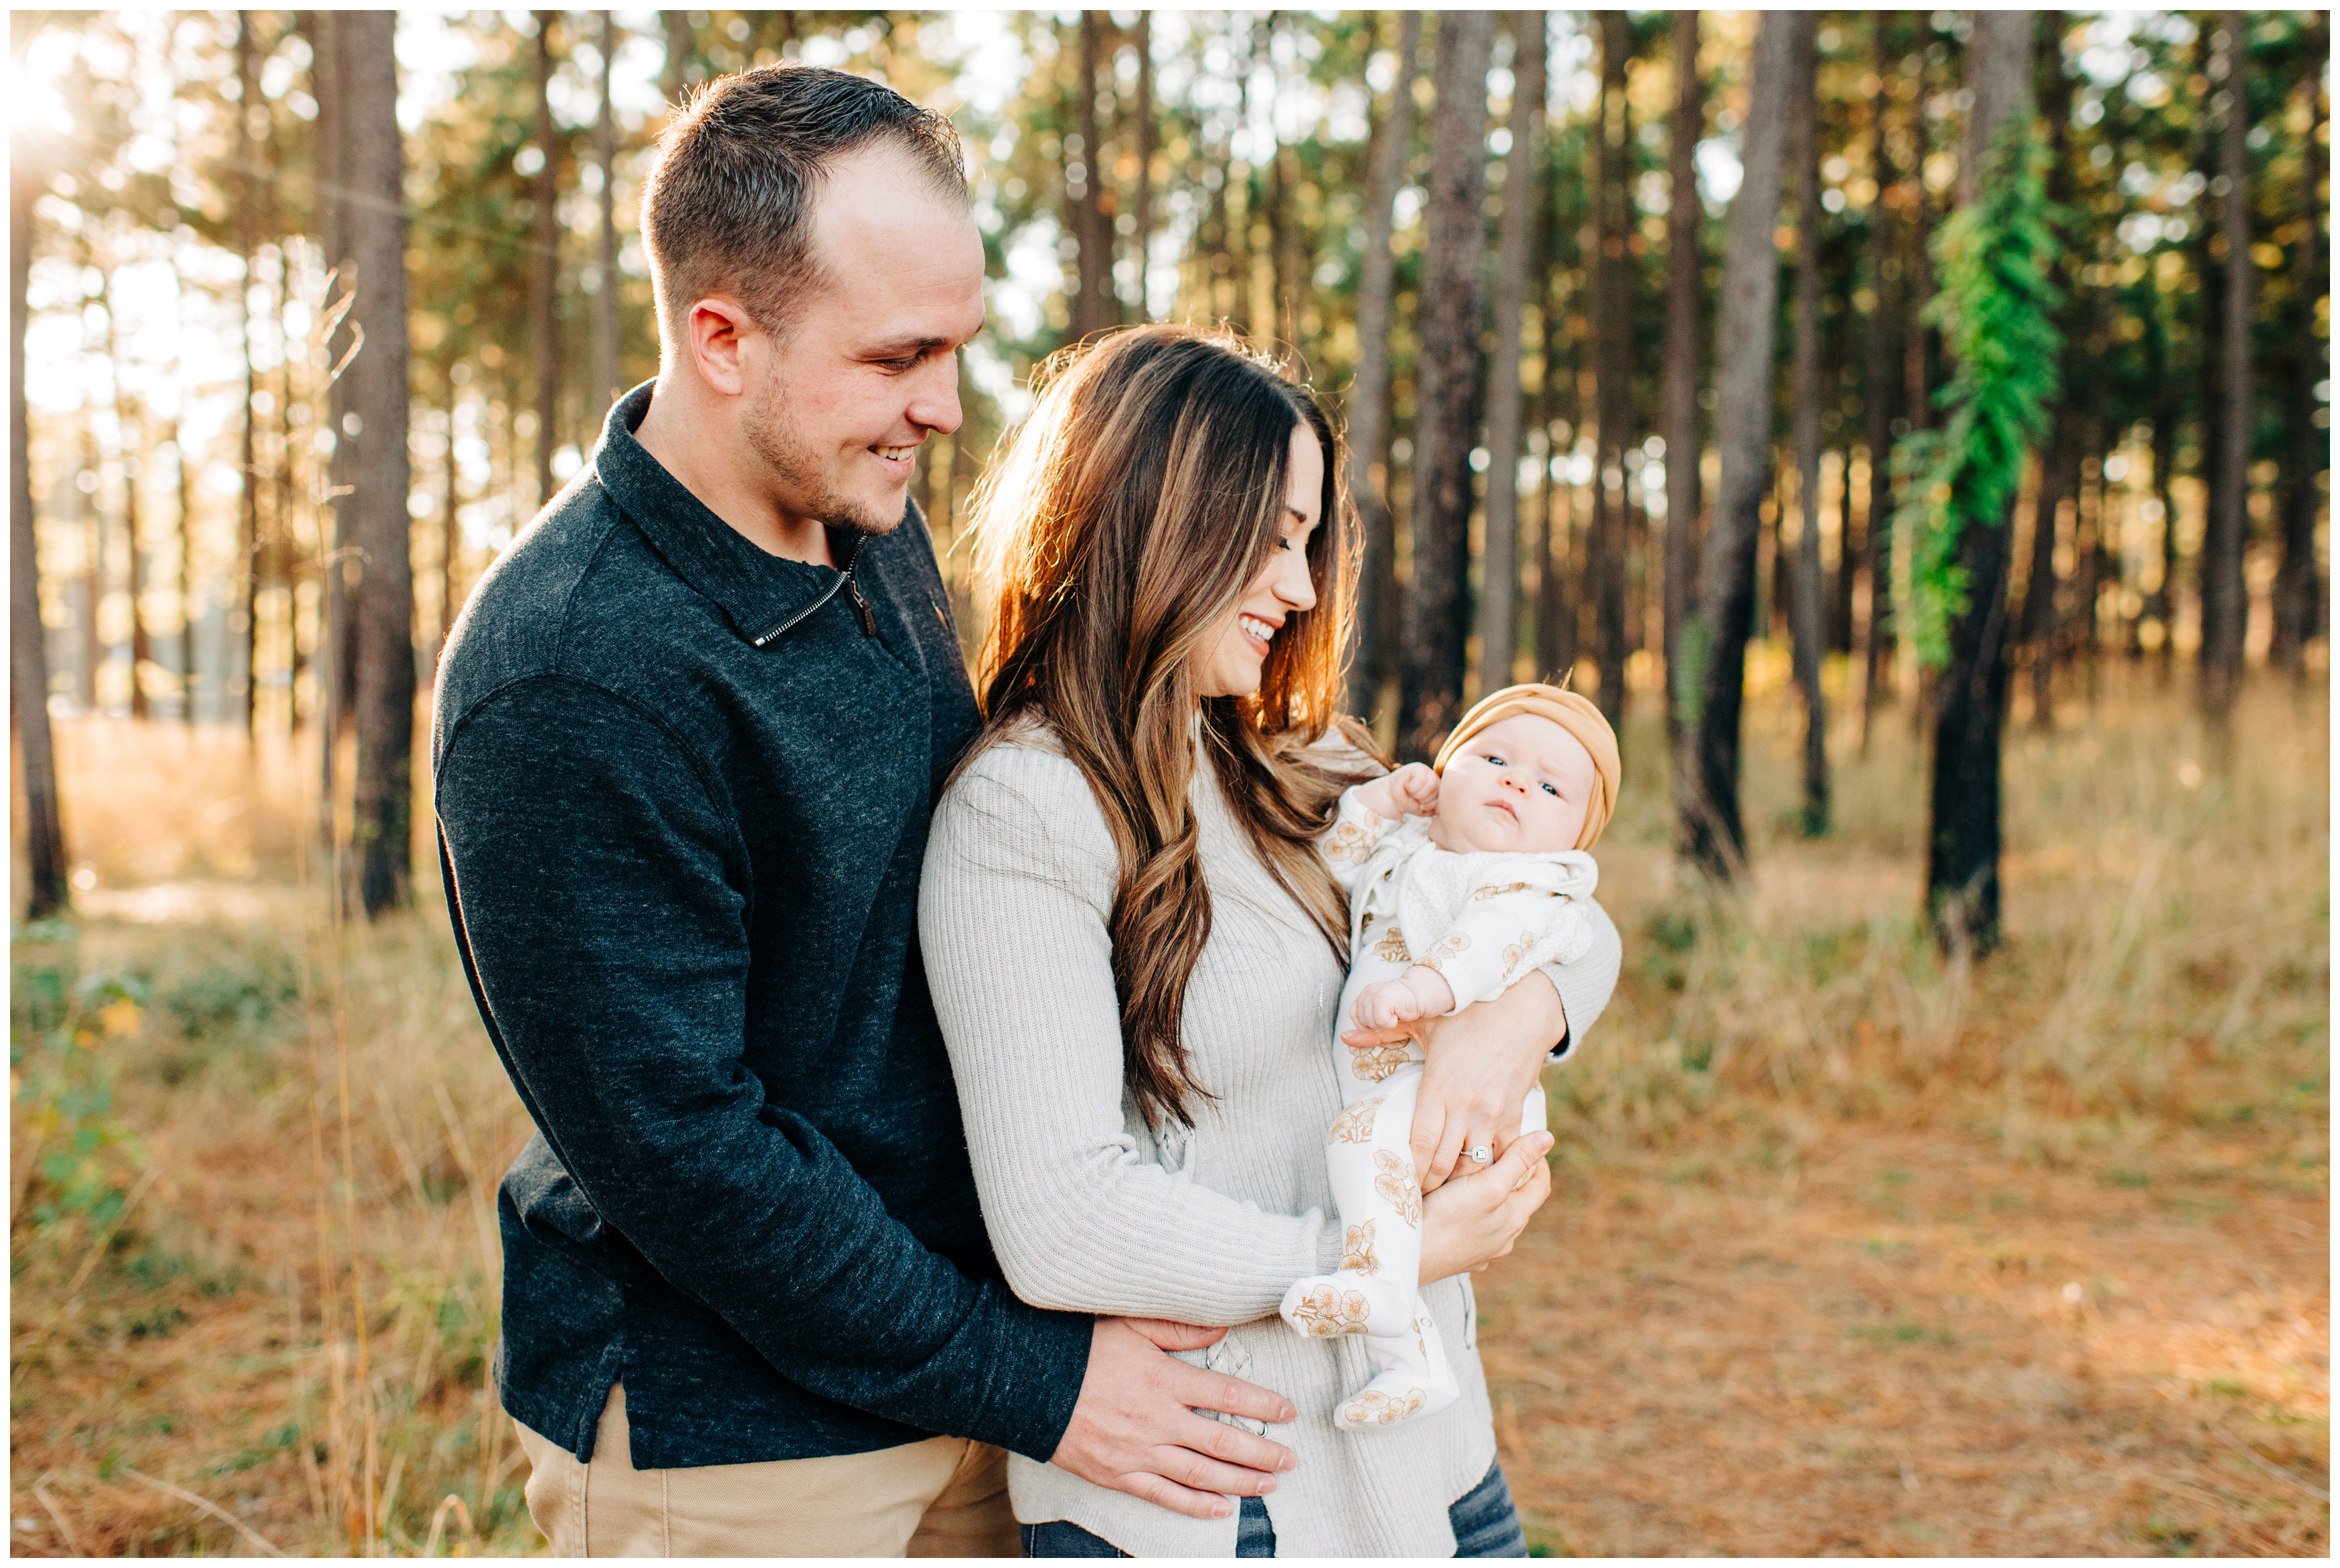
716,332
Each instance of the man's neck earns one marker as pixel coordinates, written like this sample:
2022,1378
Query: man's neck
704,451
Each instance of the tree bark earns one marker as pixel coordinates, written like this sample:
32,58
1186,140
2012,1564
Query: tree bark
1093,276
1140,204
376,224
133,444
1873,596
46,890
184,472
336,649
1809,632
2223,600
1445,384
247,103
606,371
2310,448
544,299
1962,881
1369,410
1683,211
2161,603
1714,640
1500,579
1612,362
2059,469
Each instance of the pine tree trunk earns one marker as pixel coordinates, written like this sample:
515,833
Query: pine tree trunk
1714,639
1093,275
1445,384
186,474
546,191
2224,601
29,646
1369,410
1612,363
1522,201
1683,211
133,445
376,228
1872,598
2309,449
1807,617
1962,882
247,621
1555,636
606,373
2059,469
1141,205
2161,603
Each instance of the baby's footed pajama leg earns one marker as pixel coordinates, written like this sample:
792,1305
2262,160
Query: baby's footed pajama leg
1375,1291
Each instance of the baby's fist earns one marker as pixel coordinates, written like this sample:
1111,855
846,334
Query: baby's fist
1415,787
1386,1004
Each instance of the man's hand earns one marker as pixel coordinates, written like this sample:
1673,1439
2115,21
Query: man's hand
1136,1430
1482,1064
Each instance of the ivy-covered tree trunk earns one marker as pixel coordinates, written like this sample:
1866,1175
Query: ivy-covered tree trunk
1445,384
1714,639
1984,442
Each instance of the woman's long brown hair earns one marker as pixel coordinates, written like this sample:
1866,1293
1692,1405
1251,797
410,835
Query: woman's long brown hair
1118,530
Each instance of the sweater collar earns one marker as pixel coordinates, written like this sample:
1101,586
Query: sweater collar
763,593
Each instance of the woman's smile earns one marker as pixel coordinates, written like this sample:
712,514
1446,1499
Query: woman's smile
1258,631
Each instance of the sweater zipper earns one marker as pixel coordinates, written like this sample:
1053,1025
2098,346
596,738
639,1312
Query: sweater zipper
844,580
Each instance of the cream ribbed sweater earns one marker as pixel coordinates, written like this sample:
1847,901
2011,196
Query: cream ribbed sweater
1088,1213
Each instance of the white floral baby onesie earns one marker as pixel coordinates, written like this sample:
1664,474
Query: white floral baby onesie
1481,921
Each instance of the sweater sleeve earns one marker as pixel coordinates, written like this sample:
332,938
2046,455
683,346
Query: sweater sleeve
598,898
1012,918
1585,983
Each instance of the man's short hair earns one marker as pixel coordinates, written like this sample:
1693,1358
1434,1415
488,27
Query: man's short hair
727,208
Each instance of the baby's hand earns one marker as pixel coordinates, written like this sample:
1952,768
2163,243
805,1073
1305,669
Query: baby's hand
1384,1004
1411,791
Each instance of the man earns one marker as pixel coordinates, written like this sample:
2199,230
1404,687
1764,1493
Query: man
687,735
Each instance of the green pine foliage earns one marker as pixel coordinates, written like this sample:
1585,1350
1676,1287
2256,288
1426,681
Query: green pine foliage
1997,313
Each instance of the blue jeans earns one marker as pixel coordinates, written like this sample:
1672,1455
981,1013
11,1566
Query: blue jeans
1485,1524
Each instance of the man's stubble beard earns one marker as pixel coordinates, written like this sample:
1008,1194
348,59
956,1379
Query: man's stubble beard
802,467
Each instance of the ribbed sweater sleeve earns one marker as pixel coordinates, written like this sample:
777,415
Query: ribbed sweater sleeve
1012,920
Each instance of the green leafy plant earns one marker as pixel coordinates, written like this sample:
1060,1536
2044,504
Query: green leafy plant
1997,313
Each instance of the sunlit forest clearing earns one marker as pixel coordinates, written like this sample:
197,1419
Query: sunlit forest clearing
1852,1251
1950,1173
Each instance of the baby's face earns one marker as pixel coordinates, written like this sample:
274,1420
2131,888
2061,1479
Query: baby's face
1521,785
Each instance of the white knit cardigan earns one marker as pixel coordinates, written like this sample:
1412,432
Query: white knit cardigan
1089,1213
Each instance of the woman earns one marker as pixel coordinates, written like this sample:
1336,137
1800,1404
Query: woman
1136,953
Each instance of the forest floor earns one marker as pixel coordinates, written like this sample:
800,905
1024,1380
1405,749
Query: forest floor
1853,1250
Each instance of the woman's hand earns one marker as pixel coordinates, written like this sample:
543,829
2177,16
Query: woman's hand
1470,1222
1482,1064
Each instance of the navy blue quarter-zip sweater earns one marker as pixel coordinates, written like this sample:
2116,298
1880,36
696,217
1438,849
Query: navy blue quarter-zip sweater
682,792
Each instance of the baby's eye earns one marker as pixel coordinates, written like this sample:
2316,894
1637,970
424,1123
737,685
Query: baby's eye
1550,791
1495,758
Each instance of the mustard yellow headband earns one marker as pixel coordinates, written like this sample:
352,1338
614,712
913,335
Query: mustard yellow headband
1571,712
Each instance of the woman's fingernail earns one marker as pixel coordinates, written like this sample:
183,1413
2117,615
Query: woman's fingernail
1289,1462
1289,1414
1267,1486
1222,1510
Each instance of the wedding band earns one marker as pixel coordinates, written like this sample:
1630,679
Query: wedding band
1481,1154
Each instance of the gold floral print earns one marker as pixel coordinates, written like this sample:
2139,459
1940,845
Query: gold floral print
1347,843
1397,1186
1355,1125
1358,1252
1326,1311
1444,947
1516,951
1493,892
1375,1408
1373,1063
1392,949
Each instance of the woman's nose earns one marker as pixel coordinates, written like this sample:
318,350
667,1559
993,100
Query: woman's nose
1293,587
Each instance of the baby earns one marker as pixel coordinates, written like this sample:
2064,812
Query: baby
1462,878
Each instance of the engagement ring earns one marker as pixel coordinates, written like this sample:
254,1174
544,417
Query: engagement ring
1481,1154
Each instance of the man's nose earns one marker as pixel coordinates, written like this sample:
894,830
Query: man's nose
935,407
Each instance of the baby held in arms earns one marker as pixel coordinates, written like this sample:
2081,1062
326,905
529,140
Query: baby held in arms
1462,878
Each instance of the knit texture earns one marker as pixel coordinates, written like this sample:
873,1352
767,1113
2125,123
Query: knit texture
1088,1212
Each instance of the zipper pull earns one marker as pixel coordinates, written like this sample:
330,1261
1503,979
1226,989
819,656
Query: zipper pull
868,621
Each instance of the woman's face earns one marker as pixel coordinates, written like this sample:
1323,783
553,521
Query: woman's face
1229,661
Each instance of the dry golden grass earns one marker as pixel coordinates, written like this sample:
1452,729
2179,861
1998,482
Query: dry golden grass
1854,1251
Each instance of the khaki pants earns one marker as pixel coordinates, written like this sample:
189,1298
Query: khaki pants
944,1498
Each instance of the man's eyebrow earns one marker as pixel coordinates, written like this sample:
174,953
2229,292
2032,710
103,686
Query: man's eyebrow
906,347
